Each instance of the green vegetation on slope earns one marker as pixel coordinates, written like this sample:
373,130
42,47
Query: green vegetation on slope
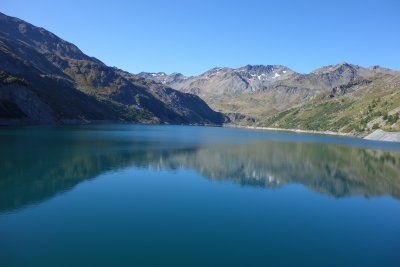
7,79
360,110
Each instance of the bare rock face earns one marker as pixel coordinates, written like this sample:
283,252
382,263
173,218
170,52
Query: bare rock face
224,81
27,104
380,135
44,79
258,78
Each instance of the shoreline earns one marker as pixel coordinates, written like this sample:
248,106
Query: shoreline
377,135
292,130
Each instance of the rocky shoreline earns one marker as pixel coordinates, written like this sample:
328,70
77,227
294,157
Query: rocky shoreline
290,130
378,135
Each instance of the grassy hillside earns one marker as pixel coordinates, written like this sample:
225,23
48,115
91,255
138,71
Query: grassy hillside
259,105
358,108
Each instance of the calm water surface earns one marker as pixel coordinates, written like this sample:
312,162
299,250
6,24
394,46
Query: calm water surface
126,195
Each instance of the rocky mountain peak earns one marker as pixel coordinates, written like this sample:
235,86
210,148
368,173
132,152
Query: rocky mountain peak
260,68
16,30
350,71
162,77
339,68
264,72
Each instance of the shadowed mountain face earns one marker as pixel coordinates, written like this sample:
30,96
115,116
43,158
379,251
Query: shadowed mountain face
52,161
44,79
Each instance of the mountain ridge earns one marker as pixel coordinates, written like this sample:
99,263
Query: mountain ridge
64,85
371,67
256,94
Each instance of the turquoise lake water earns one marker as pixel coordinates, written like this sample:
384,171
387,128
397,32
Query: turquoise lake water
130,195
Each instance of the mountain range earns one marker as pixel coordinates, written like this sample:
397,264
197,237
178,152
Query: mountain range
45,79
336,97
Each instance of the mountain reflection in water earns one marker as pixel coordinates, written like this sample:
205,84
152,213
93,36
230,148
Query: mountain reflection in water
37,166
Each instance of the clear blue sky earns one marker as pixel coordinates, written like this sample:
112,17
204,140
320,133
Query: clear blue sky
193,36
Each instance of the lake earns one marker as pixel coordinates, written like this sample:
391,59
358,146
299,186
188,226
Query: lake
136,195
